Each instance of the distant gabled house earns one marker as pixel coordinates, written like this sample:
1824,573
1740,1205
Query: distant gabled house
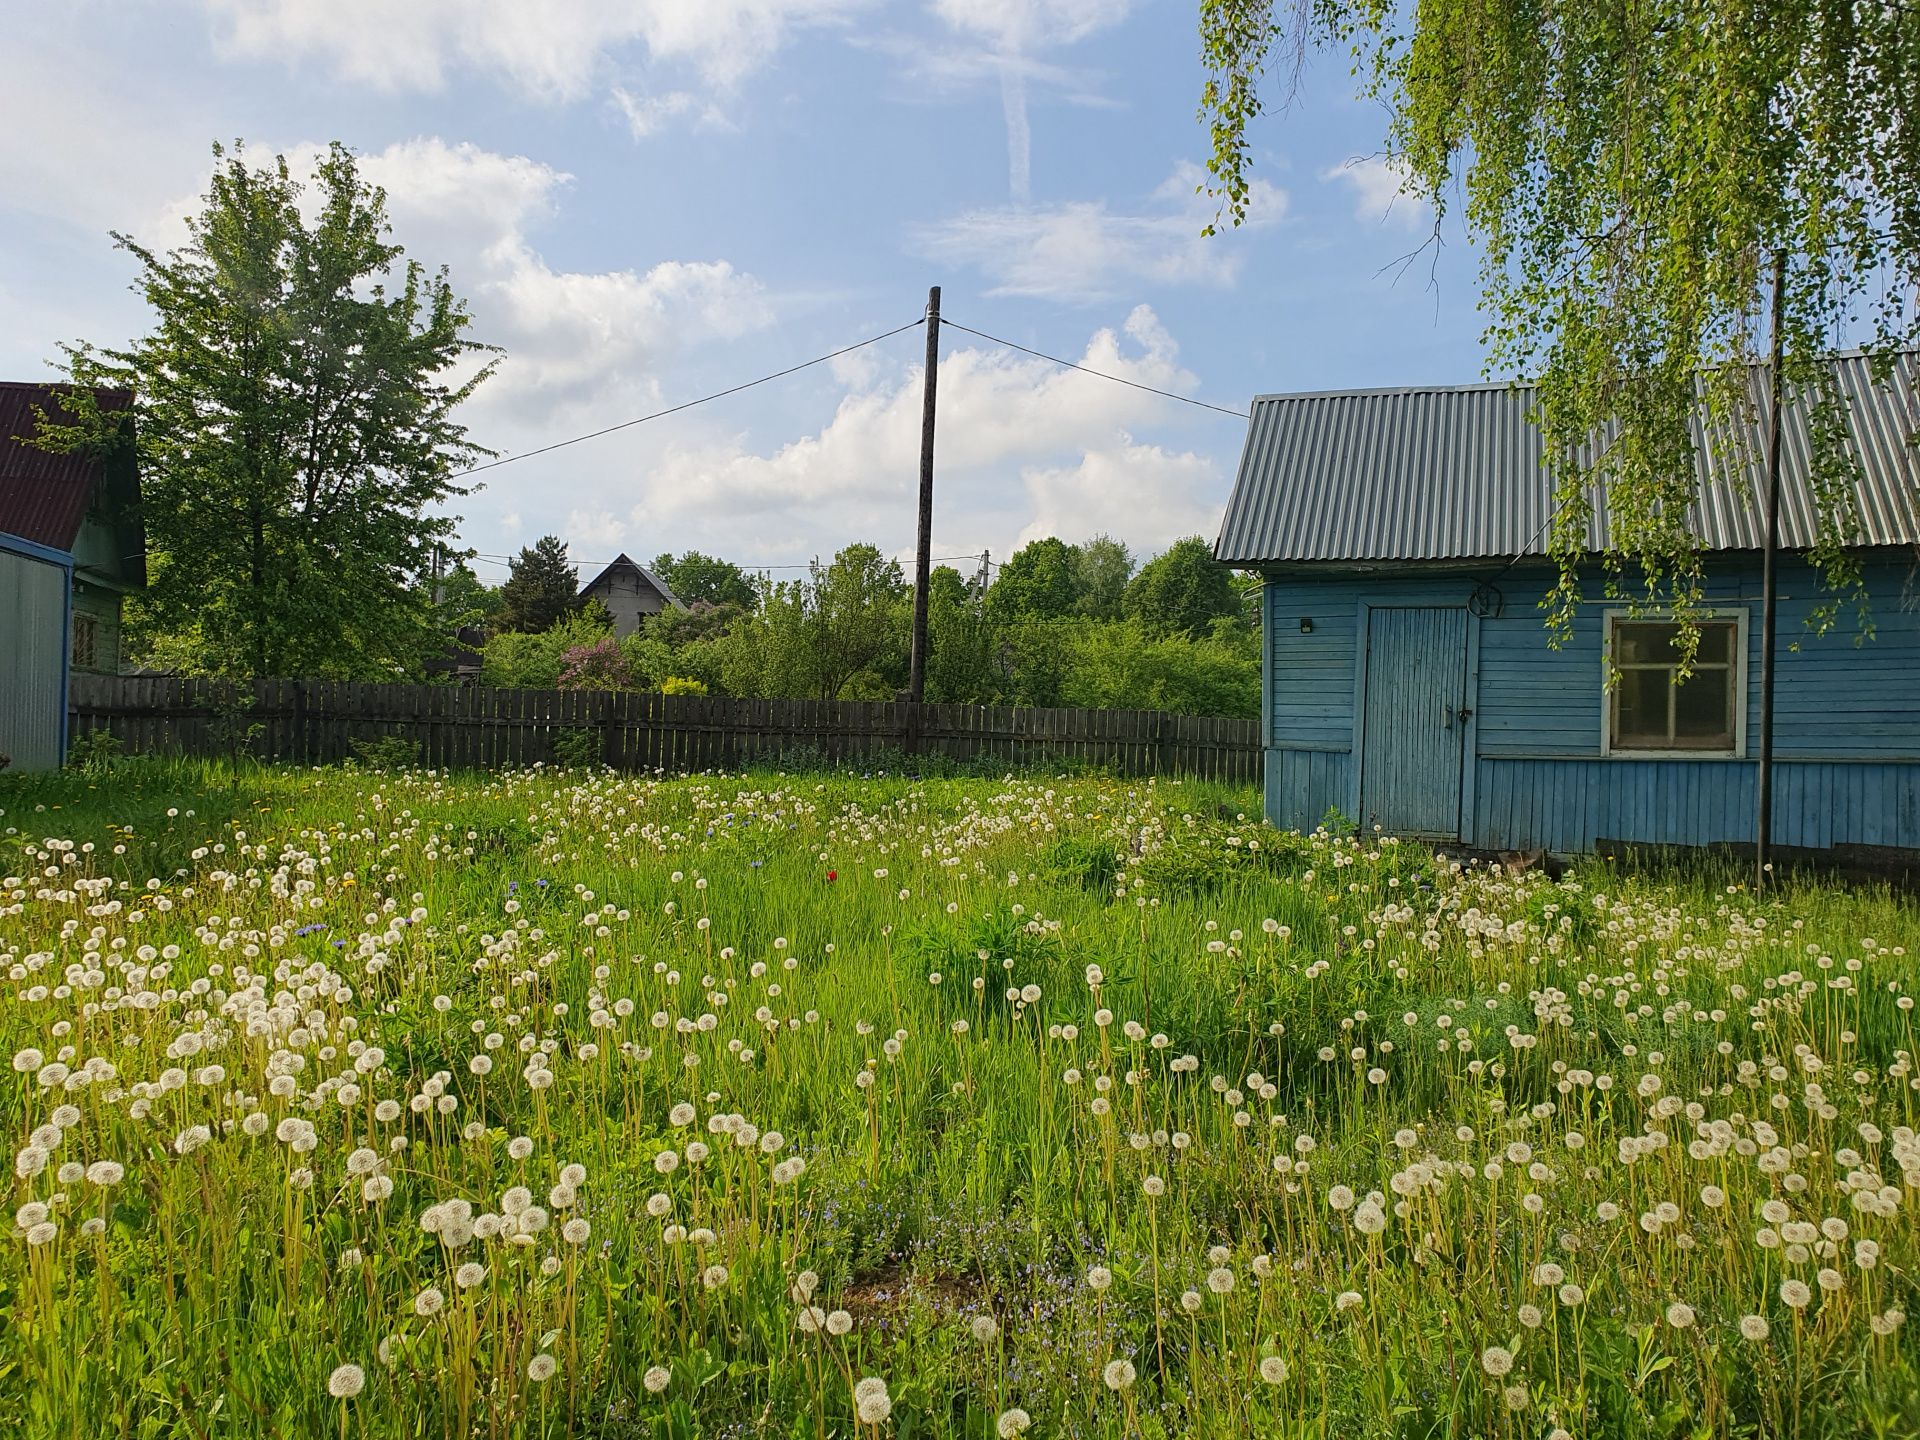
1408,678
71,549
631,593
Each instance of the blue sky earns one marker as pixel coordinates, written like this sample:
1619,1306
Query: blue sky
647,200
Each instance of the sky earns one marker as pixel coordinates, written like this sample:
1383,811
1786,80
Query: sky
646,201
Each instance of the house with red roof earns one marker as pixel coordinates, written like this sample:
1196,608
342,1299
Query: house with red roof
71,550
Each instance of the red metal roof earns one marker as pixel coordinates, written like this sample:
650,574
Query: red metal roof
43,496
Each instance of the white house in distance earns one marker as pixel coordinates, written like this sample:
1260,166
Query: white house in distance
631,593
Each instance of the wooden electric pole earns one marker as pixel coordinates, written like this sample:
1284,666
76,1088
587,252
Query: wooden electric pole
1763,787
923,555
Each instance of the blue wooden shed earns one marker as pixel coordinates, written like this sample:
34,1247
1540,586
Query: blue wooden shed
1409,683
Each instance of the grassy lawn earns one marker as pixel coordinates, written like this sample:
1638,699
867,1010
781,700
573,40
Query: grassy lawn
564,1104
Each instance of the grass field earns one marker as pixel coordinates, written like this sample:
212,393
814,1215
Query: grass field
535,1105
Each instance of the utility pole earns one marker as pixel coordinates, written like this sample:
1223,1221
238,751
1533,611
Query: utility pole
1763,797
923,557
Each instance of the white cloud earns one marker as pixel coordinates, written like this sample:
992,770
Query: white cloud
553,50
1019,26
572,338
1380,193
1012,31
1082,251
648,115
1144,494
1021,443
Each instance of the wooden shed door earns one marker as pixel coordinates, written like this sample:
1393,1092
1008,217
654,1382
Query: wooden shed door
1413,743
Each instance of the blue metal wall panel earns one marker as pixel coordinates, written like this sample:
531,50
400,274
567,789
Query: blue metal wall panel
1847,717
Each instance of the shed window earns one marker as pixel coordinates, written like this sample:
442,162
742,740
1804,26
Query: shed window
86,642
1652,708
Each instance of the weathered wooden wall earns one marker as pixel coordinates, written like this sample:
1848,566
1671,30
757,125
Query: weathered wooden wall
1847,716
315,722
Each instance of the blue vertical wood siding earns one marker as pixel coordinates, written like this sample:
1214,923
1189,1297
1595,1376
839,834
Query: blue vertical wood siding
1847,716
1411,729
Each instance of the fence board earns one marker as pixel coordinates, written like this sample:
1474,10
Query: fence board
316,722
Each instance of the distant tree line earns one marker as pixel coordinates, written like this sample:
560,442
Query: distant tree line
1059,624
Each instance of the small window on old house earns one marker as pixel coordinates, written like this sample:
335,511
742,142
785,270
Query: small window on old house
1650,706
86,642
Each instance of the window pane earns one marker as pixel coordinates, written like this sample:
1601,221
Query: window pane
1640,709
1638,642
1702,717
1716,642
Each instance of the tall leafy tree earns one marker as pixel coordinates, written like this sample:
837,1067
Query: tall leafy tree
1102,567
1632,174
698,579
541,587
1182,591
1037,583
294,412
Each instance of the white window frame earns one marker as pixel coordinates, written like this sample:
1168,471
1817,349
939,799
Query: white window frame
1739,615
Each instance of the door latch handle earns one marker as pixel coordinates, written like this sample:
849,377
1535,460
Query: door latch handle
1466,714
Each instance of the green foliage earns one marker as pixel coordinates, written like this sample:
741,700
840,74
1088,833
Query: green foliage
578,748
1036,584
94,753
1183,591
682,685
1084,1107
1102,567
697,579
1124,664
541,588
387,752
1630,176
294,423
533,662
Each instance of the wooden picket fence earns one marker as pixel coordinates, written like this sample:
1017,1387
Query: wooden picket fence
317,722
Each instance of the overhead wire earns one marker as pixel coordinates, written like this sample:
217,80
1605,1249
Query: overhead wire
1086,370
689,404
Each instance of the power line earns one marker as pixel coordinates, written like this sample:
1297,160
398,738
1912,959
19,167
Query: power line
1101,374
507,560
689,404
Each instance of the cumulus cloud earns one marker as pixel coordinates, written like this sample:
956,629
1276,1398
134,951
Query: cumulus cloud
1378,185
1023,447
556,50
1085,251
572,338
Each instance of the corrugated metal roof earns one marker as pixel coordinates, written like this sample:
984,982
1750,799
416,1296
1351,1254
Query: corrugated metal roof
1456,473
43,496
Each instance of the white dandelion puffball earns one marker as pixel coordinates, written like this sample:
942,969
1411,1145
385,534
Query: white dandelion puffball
346,1382
1118,1375
541,1368
1012,1422
1755,1327
1679,1315
1273,1370
1347,1300
1795,1293
469,1275
1099,1278
839,1322
656,1379
1220,1280
985,1329
1496,1360
575,1231
429,1302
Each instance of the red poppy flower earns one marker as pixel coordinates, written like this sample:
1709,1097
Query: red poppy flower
833,874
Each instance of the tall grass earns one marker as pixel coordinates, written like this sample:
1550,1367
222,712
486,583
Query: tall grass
573,1104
